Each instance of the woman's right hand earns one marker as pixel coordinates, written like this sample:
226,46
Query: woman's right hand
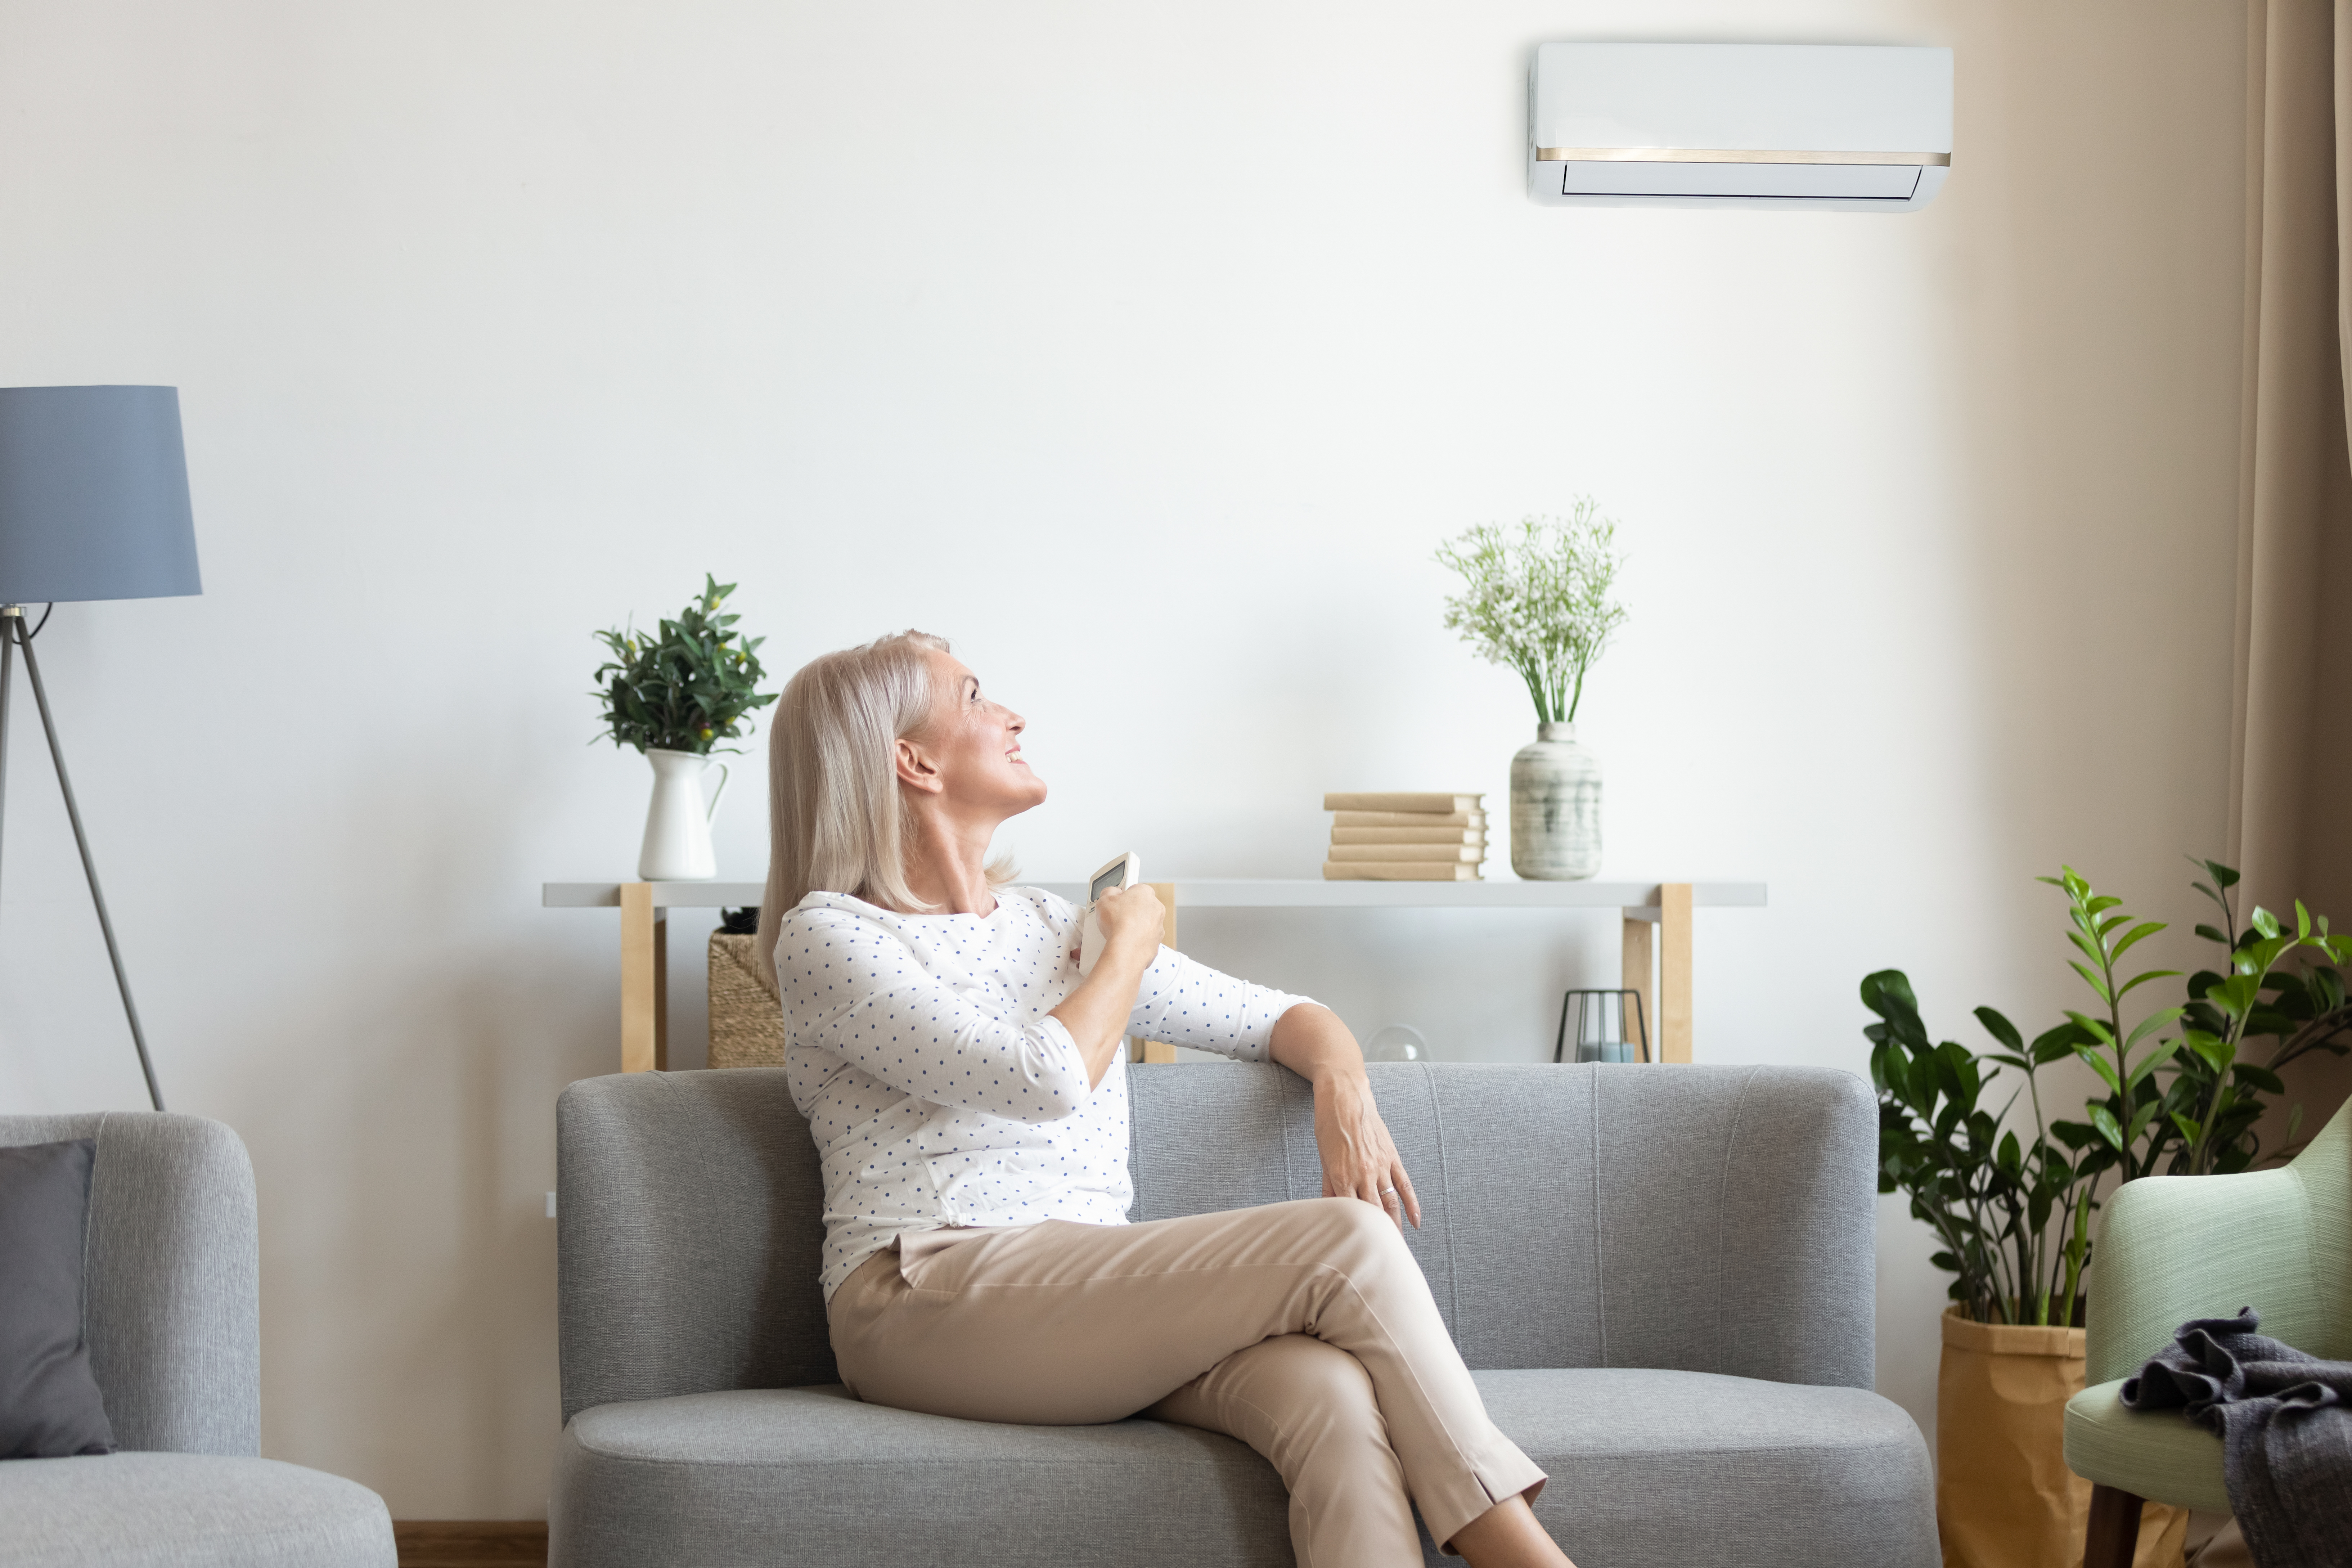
1132,920
1096,1011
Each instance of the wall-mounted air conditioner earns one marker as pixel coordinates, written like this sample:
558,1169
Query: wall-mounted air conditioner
1857,128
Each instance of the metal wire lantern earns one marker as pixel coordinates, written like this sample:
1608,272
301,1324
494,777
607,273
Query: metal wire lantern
1600,1032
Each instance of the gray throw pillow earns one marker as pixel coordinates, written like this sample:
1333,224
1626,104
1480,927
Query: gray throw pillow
50,1405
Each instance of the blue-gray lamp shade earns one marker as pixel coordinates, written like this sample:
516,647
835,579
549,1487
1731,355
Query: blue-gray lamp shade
93,495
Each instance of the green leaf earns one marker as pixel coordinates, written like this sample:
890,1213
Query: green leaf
1887,993
2104,1120
2136,980
2160,1052
2302,922
2100,1065
2149,1025
2223,874
2055,1045
2209,935
2001,1029
2260,1078
2215,1052
2073,1134
2235,996
2146,929
2096,984
2264,921
2095,1029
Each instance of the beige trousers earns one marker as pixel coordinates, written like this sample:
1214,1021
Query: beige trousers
1306,1329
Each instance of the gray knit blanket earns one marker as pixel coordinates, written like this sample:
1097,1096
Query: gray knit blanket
2284,1419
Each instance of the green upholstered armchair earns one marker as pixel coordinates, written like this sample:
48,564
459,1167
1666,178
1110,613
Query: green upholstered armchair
2177,1247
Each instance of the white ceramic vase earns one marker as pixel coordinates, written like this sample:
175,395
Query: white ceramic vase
678,824
1555,808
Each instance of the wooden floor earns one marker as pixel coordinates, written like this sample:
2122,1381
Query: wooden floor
470,1542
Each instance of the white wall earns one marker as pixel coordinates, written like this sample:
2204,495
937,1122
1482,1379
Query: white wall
1148,351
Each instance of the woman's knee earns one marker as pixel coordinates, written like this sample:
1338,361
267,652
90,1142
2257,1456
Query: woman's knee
1361,1233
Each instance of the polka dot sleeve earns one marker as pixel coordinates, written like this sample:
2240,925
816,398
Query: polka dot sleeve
1186,1002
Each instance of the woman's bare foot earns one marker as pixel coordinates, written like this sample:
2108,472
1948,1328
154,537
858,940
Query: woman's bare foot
1507,1536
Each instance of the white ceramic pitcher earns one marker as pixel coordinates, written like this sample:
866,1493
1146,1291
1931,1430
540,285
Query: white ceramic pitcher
678,824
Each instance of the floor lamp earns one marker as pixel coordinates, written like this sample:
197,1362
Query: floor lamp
93,505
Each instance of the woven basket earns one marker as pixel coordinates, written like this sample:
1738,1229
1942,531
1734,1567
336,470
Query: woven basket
747,1022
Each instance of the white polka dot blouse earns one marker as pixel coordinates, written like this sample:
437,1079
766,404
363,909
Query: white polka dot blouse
936,1088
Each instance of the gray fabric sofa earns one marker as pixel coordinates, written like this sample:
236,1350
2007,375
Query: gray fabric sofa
171,1312
1663,1277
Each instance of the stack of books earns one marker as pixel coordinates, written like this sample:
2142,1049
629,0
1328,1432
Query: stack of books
1406,838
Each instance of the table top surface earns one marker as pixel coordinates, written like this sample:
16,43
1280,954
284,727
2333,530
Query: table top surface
1249,893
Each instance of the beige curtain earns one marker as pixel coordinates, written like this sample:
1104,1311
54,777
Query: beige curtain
2291,785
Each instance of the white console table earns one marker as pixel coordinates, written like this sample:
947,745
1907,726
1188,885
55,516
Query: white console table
1656,952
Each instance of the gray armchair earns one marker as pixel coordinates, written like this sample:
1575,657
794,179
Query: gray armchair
173,1317
1661,1278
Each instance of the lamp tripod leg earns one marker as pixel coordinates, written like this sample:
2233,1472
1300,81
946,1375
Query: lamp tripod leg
89,865
10,619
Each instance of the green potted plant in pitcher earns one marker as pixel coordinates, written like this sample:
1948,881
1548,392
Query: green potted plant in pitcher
674,695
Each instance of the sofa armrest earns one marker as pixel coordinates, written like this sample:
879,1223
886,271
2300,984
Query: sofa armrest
2172,1248
174,1278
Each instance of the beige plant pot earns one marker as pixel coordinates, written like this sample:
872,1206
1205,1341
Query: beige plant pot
2004,1497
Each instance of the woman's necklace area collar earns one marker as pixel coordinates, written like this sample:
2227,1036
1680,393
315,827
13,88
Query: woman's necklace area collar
996,906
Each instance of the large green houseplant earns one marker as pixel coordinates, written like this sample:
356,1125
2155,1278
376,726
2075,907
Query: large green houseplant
2013,1213
2181,1093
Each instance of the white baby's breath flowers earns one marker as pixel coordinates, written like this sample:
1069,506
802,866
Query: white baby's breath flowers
1536,598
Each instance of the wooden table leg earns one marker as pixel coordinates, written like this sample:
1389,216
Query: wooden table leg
644,981
1159,1050
1640,978
1674,971
2112,1538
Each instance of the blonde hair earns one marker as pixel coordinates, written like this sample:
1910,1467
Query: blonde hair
835,824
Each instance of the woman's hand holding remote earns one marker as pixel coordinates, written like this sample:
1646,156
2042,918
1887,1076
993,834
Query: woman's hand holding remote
1096,1014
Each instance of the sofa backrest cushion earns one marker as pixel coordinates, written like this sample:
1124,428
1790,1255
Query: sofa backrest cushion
1701,1218
172,1280
1712,1219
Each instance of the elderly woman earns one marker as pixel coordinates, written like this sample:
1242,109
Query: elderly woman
968,1095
